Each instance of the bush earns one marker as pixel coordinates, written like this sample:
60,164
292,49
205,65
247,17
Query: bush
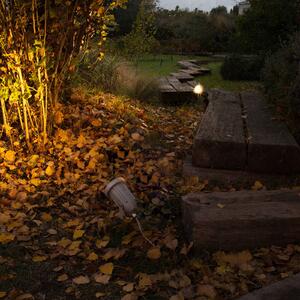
94,73
241,67
281,78
113,74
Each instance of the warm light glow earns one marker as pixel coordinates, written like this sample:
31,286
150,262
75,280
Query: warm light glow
199,89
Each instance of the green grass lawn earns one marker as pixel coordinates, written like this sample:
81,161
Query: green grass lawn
165,64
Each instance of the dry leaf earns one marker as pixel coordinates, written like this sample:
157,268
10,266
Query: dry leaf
2,294
6,238
177,297
99,295
257,186
81,280
233,259
128,287
130,297
25,297
50,170
46,217
107,268
102,278
154,253
62,278
206,290
10,156
39,258
144,280
92,257
78,234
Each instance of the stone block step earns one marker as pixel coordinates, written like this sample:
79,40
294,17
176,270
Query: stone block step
220,141
242,220
287,289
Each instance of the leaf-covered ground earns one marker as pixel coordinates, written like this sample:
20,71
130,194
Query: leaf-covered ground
60,238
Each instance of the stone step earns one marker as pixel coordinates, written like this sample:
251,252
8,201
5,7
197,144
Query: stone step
288,289
220,141
271,147
242,220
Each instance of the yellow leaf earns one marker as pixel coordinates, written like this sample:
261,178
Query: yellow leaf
58,117
50,170
93,256
144,280
103,243
33,160
64,243
81,141
92,164
107,268
154,253
62,278
2,294
233,259
96,123
6,238
39,258
35,181
78,234
102,278
74,245
257,186
72,223
46,217
81,280
10,156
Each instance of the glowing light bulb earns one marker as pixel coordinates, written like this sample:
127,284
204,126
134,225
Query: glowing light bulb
198,89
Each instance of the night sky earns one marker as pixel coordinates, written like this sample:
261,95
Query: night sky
206,5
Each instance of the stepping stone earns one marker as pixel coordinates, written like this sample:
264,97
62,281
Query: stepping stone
181,76
205,71
172,91
192,71
242,220
271,147
234,177
288,289
185,64
220,140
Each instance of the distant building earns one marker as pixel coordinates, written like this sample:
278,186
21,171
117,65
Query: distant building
244,6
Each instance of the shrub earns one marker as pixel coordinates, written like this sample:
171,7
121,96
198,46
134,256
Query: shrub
115,75
97,74
241,67
281,78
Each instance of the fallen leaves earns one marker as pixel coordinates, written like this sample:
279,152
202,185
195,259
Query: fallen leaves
6,238
10,156
154,253
62,278
102,278
39,258
78,234
80,280
53,210
92,256
107,269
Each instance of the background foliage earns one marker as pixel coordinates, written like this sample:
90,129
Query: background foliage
38,42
